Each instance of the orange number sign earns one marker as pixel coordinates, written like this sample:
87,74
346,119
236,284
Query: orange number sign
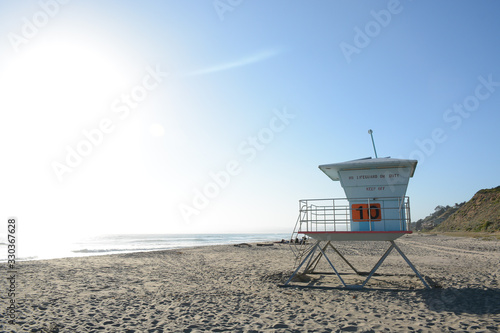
361,212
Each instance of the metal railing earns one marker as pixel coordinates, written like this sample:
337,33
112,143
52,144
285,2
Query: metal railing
342,214
336,214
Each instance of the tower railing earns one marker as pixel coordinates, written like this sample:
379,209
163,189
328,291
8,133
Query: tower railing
348,215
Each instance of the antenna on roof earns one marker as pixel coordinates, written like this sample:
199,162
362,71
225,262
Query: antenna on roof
373,142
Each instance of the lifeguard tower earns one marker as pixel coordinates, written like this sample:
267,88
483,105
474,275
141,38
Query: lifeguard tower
376,208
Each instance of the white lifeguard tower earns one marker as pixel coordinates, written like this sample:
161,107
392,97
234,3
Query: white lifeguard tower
376,208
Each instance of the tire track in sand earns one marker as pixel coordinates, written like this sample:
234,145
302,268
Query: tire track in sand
451,250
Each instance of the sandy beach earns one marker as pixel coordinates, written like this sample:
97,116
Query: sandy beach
237,289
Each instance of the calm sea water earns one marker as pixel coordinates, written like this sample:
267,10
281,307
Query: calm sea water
111,244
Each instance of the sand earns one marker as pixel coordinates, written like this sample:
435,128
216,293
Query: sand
236,289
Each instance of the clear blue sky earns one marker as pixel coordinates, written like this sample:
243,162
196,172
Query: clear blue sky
257,95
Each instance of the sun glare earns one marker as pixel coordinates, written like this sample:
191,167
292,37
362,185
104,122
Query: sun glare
157,130
53,90
54,77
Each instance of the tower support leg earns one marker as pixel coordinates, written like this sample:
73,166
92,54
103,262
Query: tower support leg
312,262
311,266
333,267
377,265
410,264
311,252
343,258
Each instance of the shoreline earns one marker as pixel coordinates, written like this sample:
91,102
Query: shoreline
236,288
485,236
106,244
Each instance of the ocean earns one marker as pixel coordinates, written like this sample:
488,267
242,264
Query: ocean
112,244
